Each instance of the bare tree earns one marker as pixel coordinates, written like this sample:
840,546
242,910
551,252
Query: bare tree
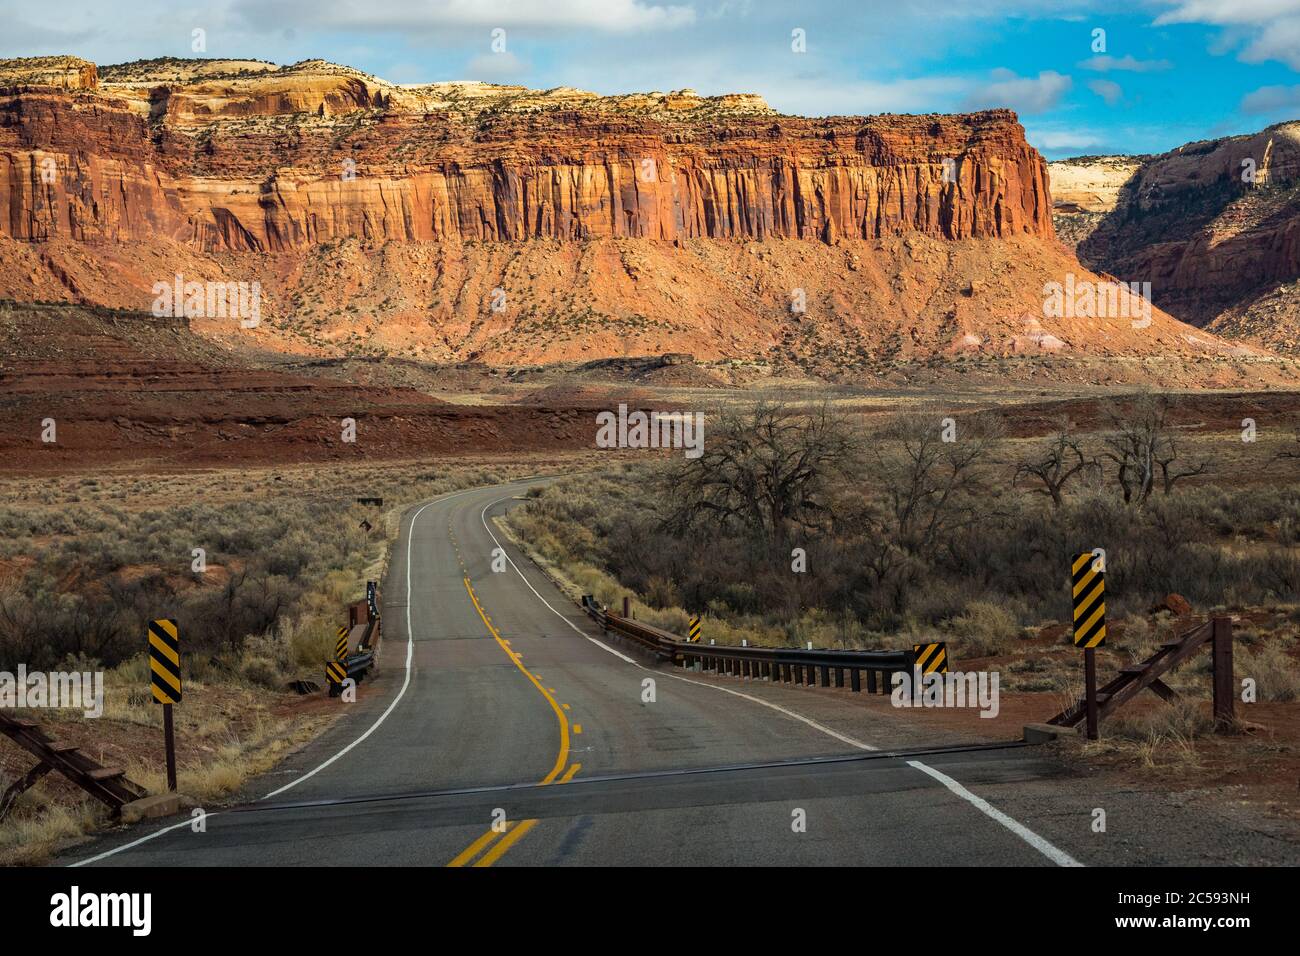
931,486
1141,445
1059,461
764,472
1170,471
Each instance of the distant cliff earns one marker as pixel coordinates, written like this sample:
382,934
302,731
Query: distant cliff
245,156
1214,227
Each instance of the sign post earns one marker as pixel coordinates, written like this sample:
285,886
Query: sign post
1089,596
165,678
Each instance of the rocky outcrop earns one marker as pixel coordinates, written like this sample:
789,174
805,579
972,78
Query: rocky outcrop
1084,190
240,156
1215,228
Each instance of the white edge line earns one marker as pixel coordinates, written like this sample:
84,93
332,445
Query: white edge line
726,690
1053,853
406,682
1057,856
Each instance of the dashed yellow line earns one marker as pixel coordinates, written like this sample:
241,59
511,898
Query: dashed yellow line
514,831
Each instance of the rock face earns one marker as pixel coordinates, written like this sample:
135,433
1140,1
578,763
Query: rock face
1215,228
1084,190
458,222
241,156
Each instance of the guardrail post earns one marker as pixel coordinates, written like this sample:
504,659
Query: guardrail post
871,680
855,680
1224,714
839,677
826,675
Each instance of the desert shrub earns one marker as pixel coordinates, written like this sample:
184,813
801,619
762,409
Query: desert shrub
1275,672
262,672
983,630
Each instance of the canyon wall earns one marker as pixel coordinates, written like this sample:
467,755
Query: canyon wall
241,156
1214,227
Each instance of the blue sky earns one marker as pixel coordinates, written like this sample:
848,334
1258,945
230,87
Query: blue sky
1172,71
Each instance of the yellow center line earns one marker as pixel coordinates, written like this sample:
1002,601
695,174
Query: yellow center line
563,757
472,850
505,843
514,832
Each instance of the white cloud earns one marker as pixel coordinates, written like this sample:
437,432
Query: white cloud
1058,139
1106,63
495,67
1227,12
1271,99
1024,94
418,16
825,97
1269,29
1278,41
1108,90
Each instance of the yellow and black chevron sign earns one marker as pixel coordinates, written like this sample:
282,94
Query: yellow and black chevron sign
931,658
1089,602
165,661
335,672
341,647
693,635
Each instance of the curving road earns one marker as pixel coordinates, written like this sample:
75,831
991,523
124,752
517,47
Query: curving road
499,701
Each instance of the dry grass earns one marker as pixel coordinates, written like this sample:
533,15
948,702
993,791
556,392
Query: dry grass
1158,737
237,719
1275,672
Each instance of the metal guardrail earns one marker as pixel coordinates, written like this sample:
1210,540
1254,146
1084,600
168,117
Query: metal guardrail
357,666
363,632
777,664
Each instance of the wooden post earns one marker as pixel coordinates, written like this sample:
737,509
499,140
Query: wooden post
169,737
1224,713
1090,689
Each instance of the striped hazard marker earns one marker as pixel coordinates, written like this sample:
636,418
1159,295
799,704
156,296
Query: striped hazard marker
931,658
1089,601
165,661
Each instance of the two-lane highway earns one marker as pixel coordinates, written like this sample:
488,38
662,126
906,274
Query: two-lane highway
507,729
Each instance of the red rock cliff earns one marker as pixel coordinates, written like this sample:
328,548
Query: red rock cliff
240,156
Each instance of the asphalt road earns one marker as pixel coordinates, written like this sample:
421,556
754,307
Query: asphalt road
498,700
